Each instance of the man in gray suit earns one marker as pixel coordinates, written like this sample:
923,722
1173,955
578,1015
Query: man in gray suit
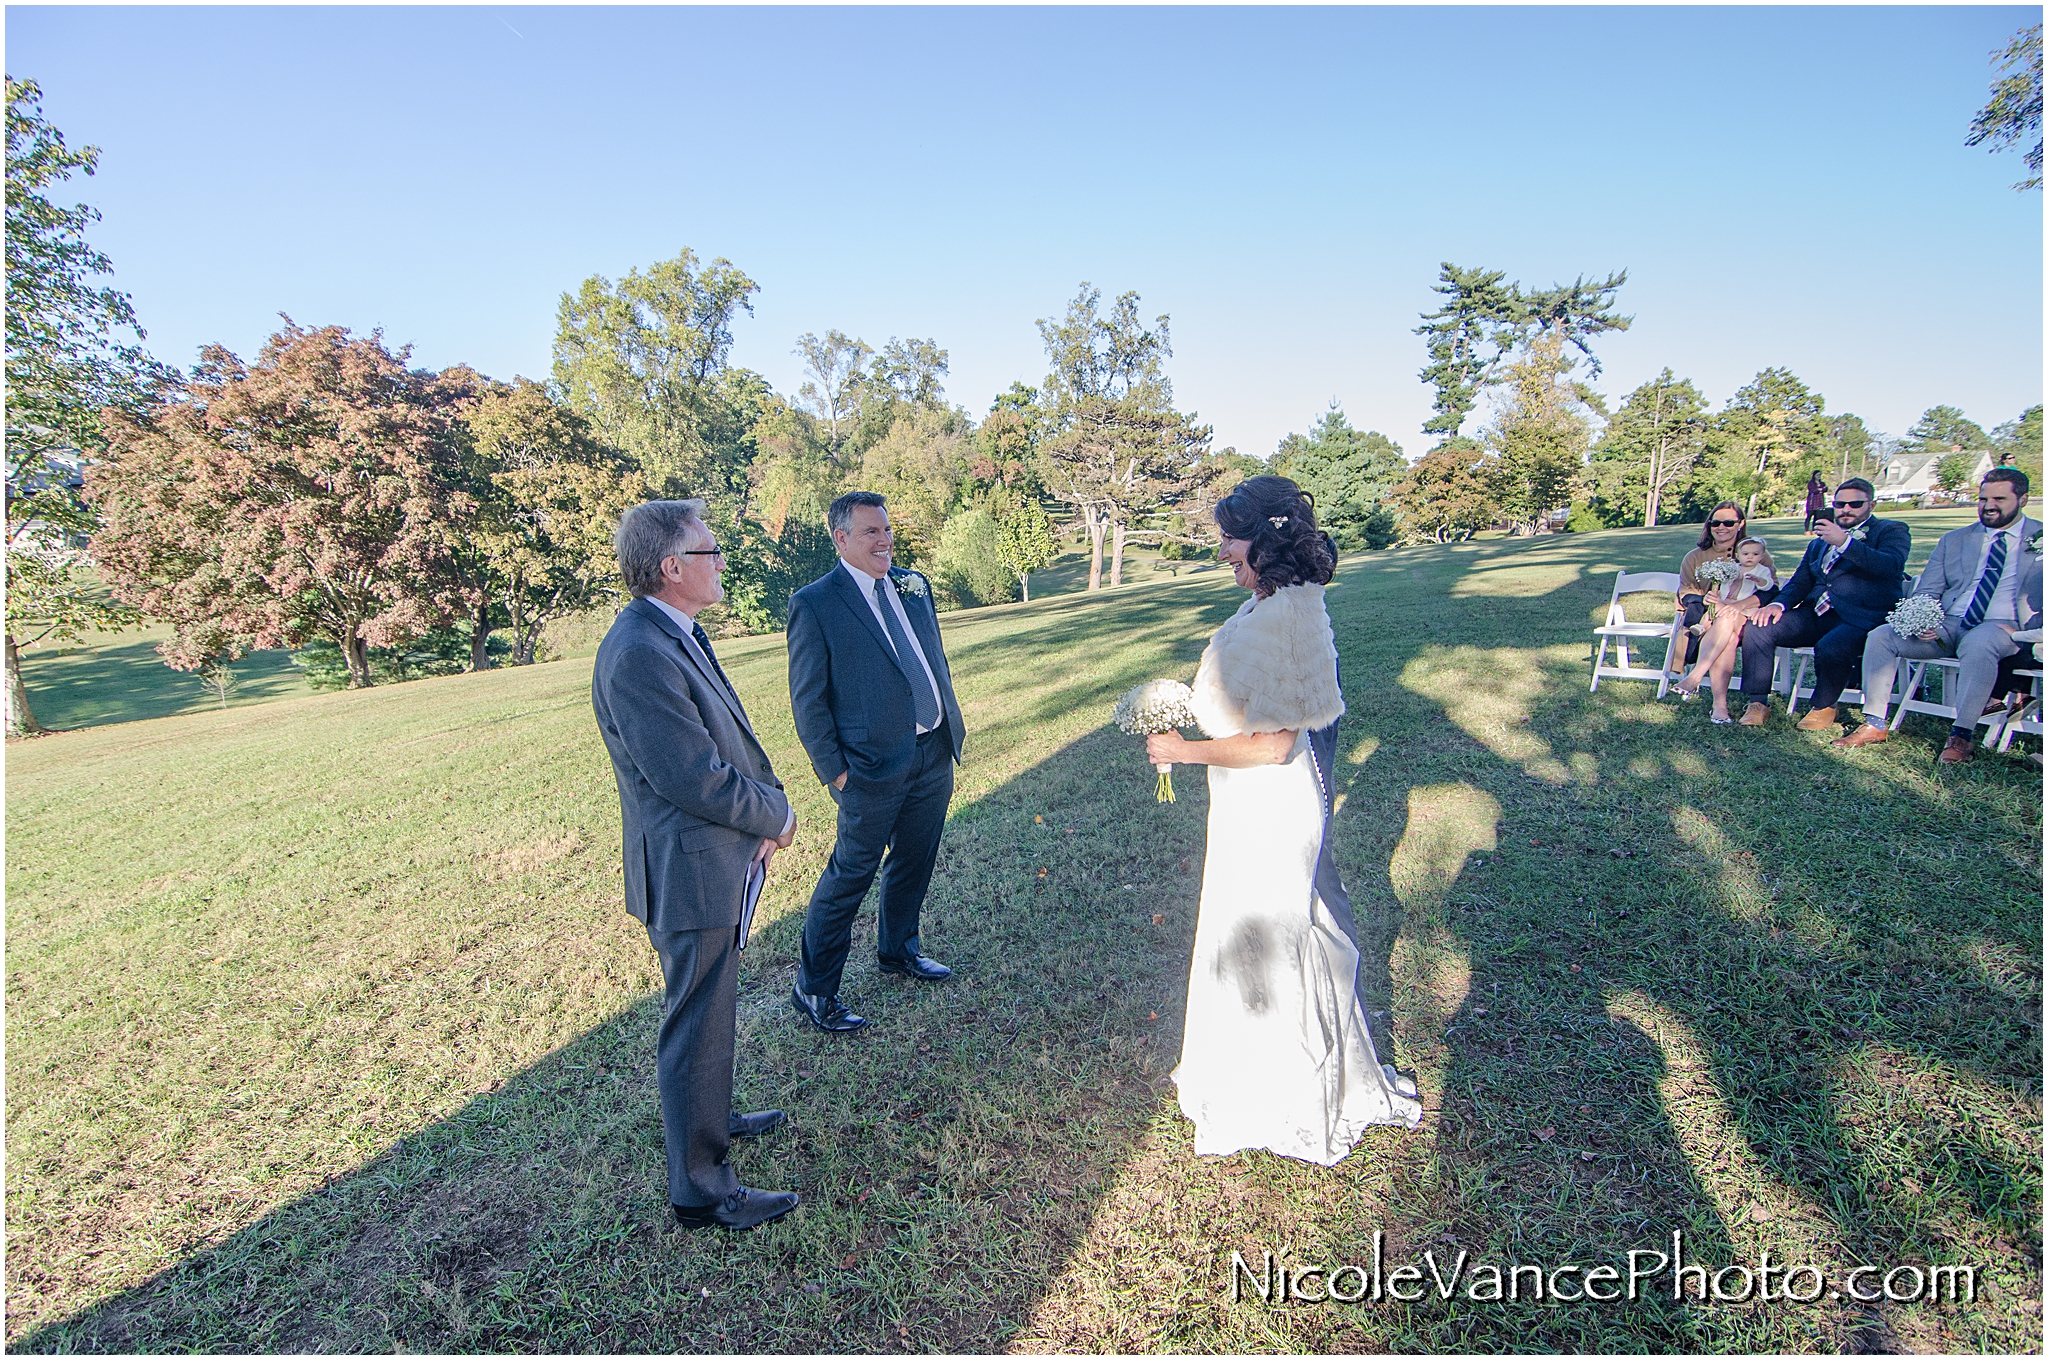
1988,578
701,806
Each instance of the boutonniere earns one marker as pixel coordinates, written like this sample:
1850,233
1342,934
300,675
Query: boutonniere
909,582
1861,531
2034,545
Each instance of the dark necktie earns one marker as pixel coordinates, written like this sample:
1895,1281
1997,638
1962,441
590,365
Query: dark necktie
922,699
1994,567
704,641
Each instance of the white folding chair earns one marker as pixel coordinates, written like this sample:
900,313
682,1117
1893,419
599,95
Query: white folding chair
1912,695
1618,631
2024,721
1799,689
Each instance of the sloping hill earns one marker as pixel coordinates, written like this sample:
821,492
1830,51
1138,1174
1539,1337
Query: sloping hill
326,1028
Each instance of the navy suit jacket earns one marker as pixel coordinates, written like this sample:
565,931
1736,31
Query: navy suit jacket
697,795
1866,581
847,691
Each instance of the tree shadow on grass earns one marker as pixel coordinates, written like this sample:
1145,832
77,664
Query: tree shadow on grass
127,682
946,1155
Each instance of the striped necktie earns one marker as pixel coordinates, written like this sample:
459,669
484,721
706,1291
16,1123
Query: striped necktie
1994,567
924,704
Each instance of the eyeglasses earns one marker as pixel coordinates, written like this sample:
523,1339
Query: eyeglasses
1841,504
1724,523
718,553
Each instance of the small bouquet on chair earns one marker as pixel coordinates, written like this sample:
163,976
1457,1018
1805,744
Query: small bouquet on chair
1157,706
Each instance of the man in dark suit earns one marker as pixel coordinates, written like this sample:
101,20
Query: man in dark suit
1852,574
701,806
874,707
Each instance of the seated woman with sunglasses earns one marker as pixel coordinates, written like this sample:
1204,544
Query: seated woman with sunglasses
1725,527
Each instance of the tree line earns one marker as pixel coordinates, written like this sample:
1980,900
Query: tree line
389,521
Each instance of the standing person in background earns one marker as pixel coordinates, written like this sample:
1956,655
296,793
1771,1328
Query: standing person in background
1725,526
873,701
1987,576
1816,501
1852,574
700,807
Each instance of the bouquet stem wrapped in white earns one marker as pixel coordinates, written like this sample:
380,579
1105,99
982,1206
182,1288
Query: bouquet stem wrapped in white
1157,706
1916,614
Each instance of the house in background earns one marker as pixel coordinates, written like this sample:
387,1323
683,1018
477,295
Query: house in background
1910,476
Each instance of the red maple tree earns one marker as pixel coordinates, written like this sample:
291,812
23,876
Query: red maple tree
314,493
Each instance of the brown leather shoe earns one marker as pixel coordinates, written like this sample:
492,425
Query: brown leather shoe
1865,735
1818,719
1757,714
1956,751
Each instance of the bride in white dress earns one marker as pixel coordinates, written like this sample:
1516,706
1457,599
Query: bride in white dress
1275,1052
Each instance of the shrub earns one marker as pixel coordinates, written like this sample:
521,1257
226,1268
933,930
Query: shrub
969,569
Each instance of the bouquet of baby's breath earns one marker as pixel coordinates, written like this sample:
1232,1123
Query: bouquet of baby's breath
1718,571
1916,614
1157,706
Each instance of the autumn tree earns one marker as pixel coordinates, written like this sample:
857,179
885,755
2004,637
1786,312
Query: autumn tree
548,499
1448,494
1764,442
646,362
311,494
73,350
919,465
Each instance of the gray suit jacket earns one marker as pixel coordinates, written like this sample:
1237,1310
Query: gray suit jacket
1952,568
696,791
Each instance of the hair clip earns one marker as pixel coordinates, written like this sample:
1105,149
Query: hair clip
1277,521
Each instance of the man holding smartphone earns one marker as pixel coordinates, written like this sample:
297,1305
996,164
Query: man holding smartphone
1853,572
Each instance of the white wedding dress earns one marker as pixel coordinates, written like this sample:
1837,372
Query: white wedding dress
1275,1051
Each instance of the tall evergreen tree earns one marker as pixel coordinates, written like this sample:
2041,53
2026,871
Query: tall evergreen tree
1351,474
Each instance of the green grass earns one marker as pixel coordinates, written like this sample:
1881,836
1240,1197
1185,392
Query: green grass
118,678
326,1029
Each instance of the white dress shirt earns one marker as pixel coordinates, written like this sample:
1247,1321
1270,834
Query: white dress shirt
866,585
689,627
2004,605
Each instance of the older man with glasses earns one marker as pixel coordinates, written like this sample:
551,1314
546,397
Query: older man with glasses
1852,574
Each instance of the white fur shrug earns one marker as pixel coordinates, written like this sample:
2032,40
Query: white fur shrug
1271,667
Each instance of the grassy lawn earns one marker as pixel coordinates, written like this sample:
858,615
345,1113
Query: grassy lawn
326,1028
118,678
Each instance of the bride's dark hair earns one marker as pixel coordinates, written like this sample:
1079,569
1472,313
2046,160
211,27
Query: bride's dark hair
1278,519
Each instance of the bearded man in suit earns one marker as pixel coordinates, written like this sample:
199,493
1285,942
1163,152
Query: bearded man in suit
1987,576
1852,574
874,707
701,806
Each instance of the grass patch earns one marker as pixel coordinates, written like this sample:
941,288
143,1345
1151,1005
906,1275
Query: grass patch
327,1031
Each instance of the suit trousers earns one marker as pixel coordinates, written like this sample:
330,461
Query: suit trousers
1980,650
1837,650
904,820
693,1060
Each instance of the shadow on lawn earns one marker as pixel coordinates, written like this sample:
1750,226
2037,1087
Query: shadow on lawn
1746,1029
1789,1014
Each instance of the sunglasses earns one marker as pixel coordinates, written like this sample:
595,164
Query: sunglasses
1724,524
1850,505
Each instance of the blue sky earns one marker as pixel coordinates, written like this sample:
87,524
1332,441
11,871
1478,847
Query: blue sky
1784,186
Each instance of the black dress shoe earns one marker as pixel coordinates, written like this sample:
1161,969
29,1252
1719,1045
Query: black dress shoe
752,1125
825,1012
916,966
739,1211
